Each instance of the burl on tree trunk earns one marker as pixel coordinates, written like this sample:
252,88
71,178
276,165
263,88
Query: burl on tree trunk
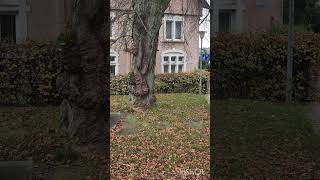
84,77
147,21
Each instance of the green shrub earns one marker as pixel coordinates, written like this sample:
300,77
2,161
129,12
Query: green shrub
66,154
181,82
254,65
283,29
28,73
165,83
246,65
119,85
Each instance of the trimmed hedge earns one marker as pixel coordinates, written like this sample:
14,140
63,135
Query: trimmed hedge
28,73
181,82
119,85
246,65
254,65
166,83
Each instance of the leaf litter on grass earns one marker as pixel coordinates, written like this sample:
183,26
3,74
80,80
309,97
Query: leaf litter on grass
33,133
162,140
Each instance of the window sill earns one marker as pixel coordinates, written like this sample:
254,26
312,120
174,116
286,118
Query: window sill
173,41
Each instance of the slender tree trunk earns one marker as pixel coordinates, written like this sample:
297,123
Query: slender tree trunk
84,78
147,21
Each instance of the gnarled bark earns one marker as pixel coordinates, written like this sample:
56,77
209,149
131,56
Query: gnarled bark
147,21
84,77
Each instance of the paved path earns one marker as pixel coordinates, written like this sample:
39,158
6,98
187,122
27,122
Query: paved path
26,170
115,117
15,170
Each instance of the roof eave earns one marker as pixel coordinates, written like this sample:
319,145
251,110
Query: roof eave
204,4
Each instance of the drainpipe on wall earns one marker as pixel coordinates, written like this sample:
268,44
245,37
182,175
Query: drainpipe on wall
21,22
238,18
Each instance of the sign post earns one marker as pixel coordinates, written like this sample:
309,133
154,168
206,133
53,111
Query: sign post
200,84
290,52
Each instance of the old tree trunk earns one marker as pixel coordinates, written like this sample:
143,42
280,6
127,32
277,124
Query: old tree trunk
147,20
84,76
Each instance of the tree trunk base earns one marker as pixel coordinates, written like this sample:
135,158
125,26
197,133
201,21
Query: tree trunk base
138,103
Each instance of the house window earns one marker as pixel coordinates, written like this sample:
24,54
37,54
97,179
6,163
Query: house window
225,21
169,29
173,62
173,28
8,27
114,64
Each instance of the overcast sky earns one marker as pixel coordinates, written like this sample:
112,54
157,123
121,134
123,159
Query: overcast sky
205,26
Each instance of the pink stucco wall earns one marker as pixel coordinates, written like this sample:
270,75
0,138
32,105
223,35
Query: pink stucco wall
125,59
48,27
190,46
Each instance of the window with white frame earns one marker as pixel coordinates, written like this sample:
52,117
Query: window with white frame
114,64
173,28
173,61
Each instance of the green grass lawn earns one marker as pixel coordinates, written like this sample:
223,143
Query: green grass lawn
171,140
263,140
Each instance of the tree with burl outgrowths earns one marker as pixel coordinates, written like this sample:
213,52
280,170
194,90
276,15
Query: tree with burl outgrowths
147,20
83,78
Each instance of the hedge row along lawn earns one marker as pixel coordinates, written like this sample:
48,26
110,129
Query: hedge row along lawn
170,140
29,75
254,65
263,140
187,82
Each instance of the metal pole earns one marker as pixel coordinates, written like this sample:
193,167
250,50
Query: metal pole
200,85
290,52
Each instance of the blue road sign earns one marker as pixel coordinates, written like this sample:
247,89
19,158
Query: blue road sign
205,57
